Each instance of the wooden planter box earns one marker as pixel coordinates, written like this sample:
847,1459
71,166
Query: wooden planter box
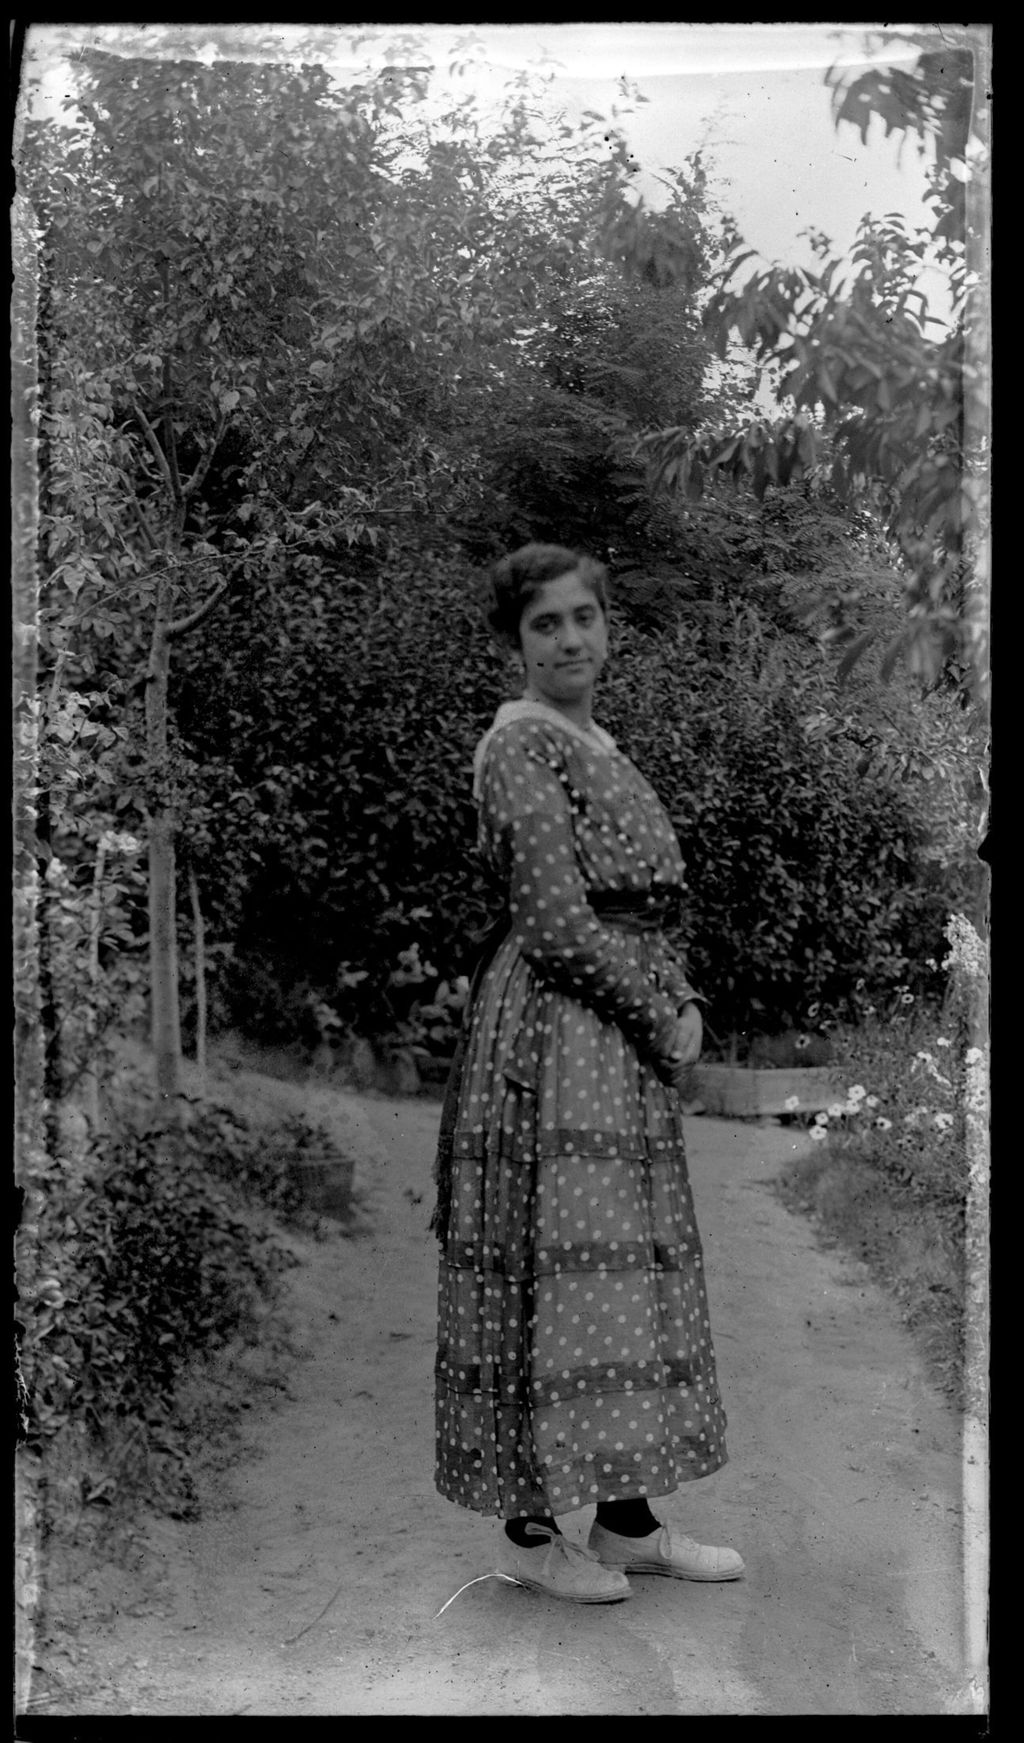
325,1183
742,1092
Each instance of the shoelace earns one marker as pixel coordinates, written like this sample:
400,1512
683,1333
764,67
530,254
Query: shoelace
572,1548
568,1546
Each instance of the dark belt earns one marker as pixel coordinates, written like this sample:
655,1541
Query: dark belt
640,912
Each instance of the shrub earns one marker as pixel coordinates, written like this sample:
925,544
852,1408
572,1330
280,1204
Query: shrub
259,1165
356,735
135,1260
903,1112
899,1167
353,727
801,869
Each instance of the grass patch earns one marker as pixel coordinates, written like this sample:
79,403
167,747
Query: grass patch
889,1173
914,1249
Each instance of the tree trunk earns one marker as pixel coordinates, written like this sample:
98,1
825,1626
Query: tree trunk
163,931
163,957
200,968
91,1079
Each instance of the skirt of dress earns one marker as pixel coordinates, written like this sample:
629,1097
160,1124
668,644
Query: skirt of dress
574,1361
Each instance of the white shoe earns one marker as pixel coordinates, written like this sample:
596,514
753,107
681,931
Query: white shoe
563,1570
663,1552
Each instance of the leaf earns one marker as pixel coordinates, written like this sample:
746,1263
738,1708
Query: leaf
892,656
826,383
853,653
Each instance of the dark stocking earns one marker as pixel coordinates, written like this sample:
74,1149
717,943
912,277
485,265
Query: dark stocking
628,1518
516,1530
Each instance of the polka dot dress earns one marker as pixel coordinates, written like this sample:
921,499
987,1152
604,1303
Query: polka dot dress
575,1361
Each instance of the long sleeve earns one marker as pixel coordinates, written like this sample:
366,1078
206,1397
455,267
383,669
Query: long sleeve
556,930
676,983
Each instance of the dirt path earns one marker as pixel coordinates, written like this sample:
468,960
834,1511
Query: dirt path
313,1582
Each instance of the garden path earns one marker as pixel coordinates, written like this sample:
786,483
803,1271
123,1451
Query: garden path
314,1581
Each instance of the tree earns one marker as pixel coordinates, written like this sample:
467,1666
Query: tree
264,292
853,348
608,355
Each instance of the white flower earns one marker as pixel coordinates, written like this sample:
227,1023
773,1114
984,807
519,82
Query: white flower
856,1092
812,1010
821,1119
791,1104
943,1121
818,1132
871,1101
119,841
906,998
835,1112
940,1041
973,1056
883,1124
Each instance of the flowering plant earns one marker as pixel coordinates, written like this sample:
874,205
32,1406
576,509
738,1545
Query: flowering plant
899,1167
918,1074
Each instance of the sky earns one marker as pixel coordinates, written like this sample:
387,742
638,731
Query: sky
751,96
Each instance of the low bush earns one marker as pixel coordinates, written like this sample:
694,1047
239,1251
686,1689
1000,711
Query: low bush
137,1259
260,1165
893,1173
354,735
802,870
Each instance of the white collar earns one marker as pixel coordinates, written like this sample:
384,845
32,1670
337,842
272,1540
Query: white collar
527,709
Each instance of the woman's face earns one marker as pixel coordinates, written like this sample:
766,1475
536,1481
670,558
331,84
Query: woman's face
563,638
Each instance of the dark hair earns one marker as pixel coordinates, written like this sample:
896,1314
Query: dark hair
516,580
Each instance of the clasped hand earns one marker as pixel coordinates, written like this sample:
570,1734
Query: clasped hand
686,1044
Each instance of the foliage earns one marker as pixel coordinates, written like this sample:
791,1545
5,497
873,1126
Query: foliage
851,343
239,386
311,413
280,377
362,754
897,1171
259,1166
903,1113
354,730
137,1259
803,871
92,974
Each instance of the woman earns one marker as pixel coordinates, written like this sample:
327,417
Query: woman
575,1363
